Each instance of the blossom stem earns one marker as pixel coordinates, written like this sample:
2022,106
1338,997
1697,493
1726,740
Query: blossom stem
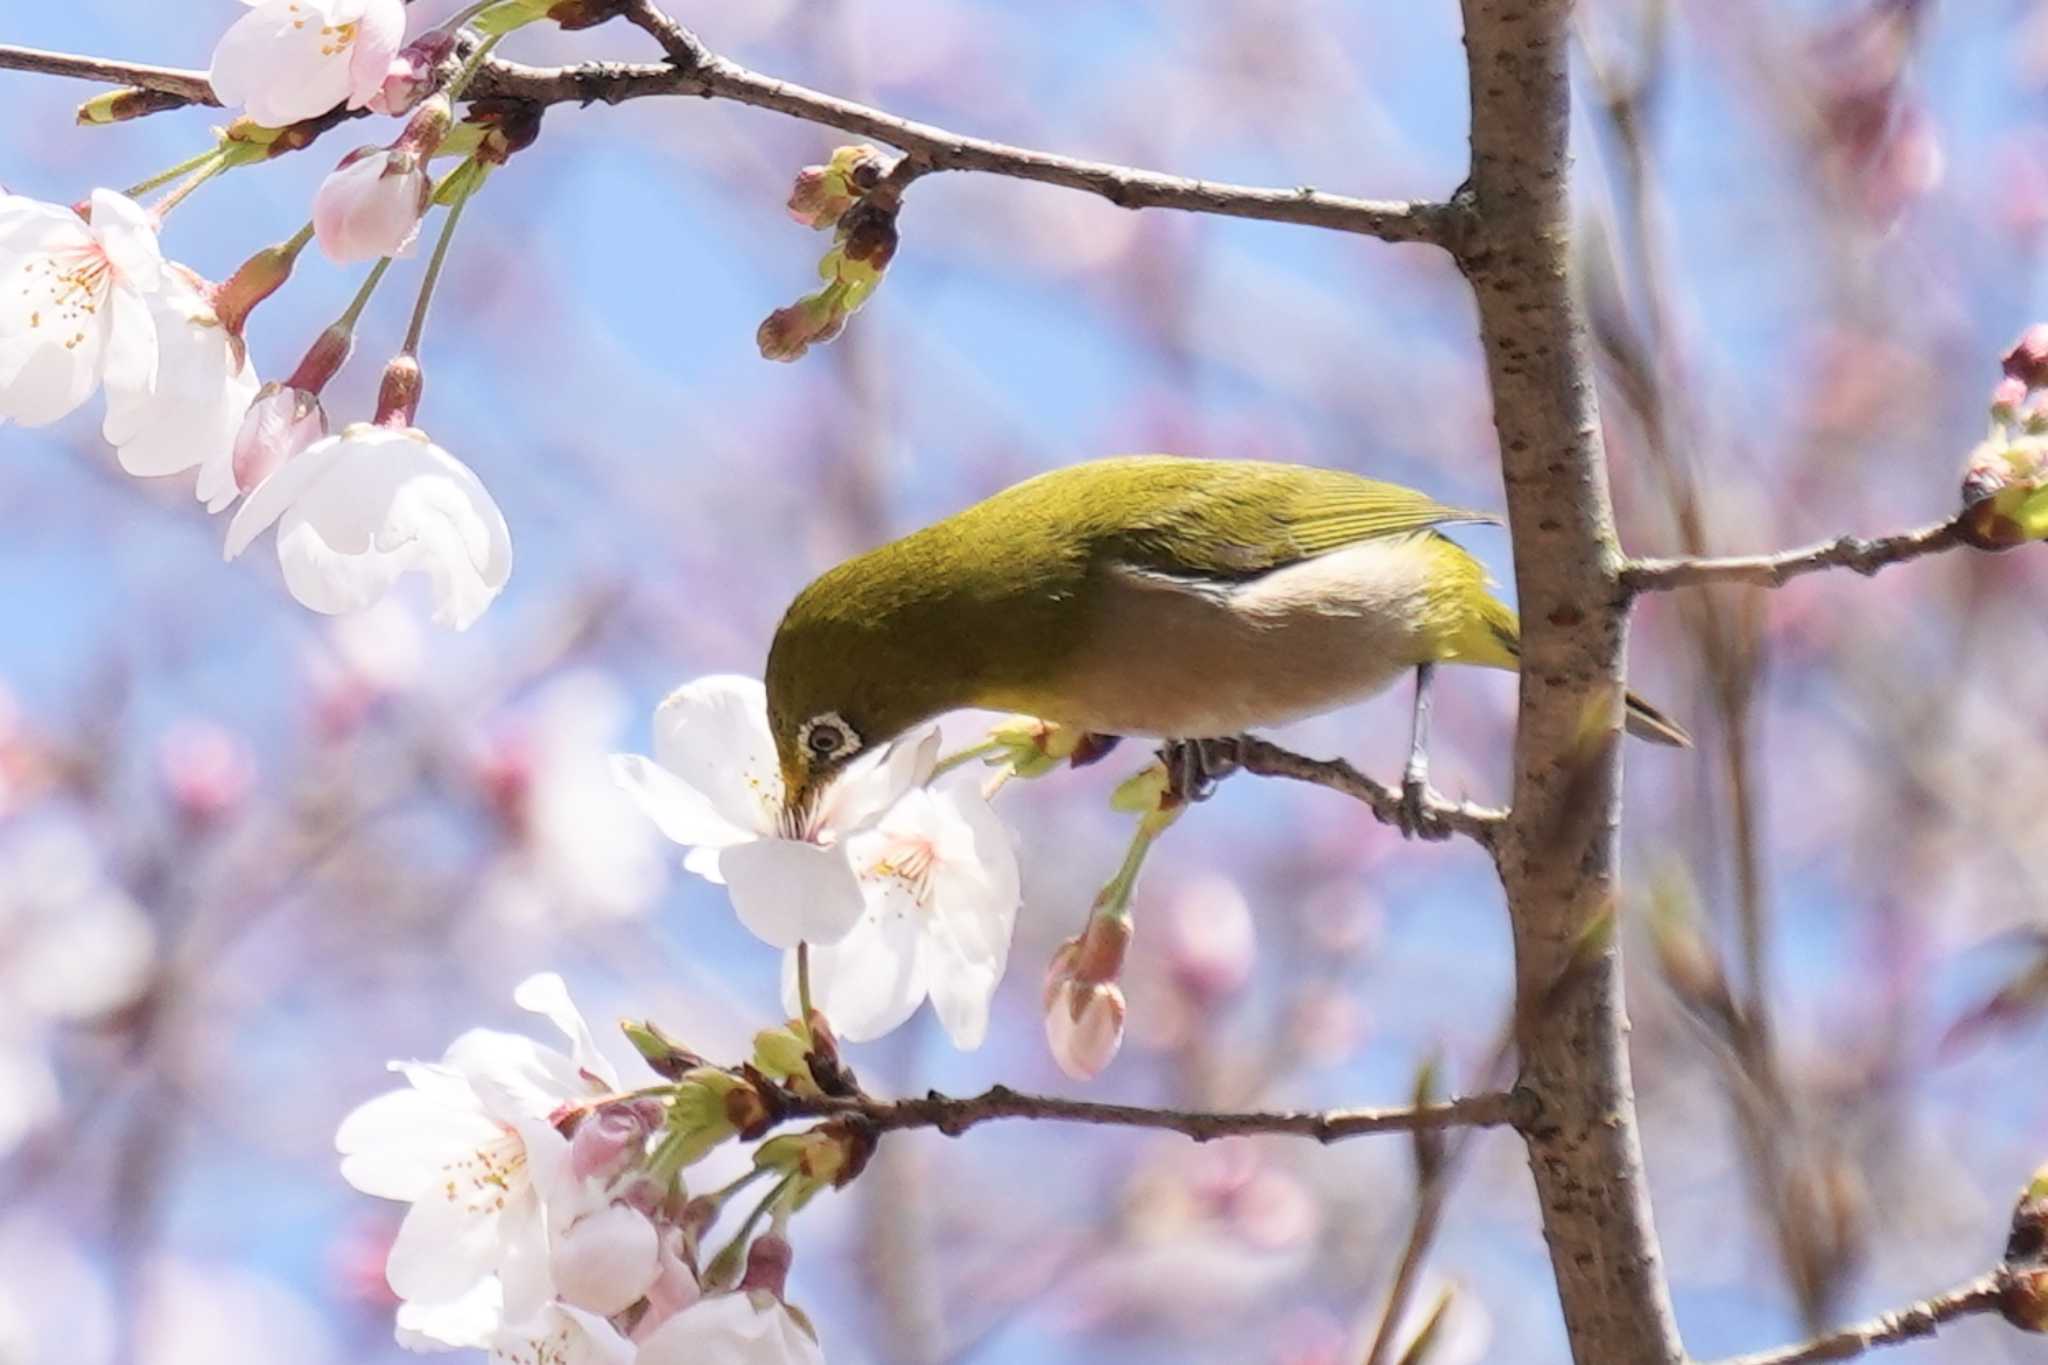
439,258
733,1258
347,321
212,165
165,177
290,249
803,984
965,756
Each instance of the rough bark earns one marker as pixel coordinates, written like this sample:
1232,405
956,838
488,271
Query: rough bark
1558,850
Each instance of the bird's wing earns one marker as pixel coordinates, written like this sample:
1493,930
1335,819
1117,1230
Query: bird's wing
1265,517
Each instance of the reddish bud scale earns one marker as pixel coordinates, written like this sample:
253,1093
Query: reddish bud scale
398,392
768,1262
511,125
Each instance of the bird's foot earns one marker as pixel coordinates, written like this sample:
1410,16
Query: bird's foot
1418,816
1195,766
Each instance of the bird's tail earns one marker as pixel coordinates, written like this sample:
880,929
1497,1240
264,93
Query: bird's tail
1492,638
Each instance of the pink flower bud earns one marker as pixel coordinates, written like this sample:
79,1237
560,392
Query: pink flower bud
410,76
371,205
2006,397
2027,361
1084,1025
608,1142
281,422
206,771
768,1261
398,391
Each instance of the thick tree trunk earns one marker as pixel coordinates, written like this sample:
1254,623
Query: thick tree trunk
1558,853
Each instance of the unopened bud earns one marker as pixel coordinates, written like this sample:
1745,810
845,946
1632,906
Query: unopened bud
1084,1027
129,102
2006,396
2027,361
255,280
398,392
661,1052
780,1053
426,128
768,1262
868,234
2024,1300
612,1139
509,125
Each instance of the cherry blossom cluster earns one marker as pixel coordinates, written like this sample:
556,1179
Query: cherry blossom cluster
902,884
91,302
2005,482
549,1220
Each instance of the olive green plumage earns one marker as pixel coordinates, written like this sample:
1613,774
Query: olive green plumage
1139,595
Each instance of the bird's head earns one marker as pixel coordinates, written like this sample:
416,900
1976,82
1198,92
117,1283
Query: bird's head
852,667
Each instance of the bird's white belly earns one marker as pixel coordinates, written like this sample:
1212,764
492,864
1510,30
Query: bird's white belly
1179,658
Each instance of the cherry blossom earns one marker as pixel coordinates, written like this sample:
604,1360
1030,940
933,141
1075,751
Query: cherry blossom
1084,1004
358,510
371,204
280,421
287,60
939,875
186,416
746,1328
714,786
74,310
463,1145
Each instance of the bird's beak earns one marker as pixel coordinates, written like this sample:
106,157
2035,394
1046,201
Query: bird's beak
798,798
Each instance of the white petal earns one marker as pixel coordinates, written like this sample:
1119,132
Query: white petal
872,980
545,993
605,1261
281,62
562,1335
380,32
874,782
399,1144
728,1329
444,1247
128,235
713,733
515,1077
976,885
960,992
677,809
788,892
469,1321
275,495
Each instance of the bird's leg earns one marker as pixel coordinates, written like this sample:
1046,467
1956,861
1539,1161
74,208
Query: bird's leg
1415,793
1195,766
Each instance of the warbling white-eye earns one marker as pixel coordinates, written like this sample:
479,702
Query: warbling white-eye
1182,599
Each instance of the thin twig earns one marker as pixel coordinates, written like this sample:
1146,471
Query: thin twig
1910,1323
953,1116
1481,823
191,87
1769,571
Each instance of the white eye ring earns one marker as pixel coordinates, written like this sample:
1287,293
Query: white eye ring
828,738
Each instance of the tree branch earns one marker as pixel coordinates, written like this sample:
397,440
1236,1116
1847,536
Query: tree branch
954,1116
191,87
1558,853
1773,570
1910,1323
1265,759
694,70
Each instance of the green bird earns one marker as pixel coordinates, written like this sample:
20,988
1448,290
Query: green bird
1147,595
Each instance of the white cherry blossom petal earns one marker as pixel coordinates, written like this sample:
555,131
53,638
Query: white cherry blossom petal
713,734
787,892
731,1329
395,1146
872,980
677,809
546,994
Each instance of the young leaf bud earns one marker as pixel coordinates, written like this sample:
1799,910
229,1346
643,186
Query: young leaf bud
2027,361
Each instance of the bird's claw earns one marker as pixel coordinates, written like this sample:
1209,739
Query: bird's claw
1417,816
1195,766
